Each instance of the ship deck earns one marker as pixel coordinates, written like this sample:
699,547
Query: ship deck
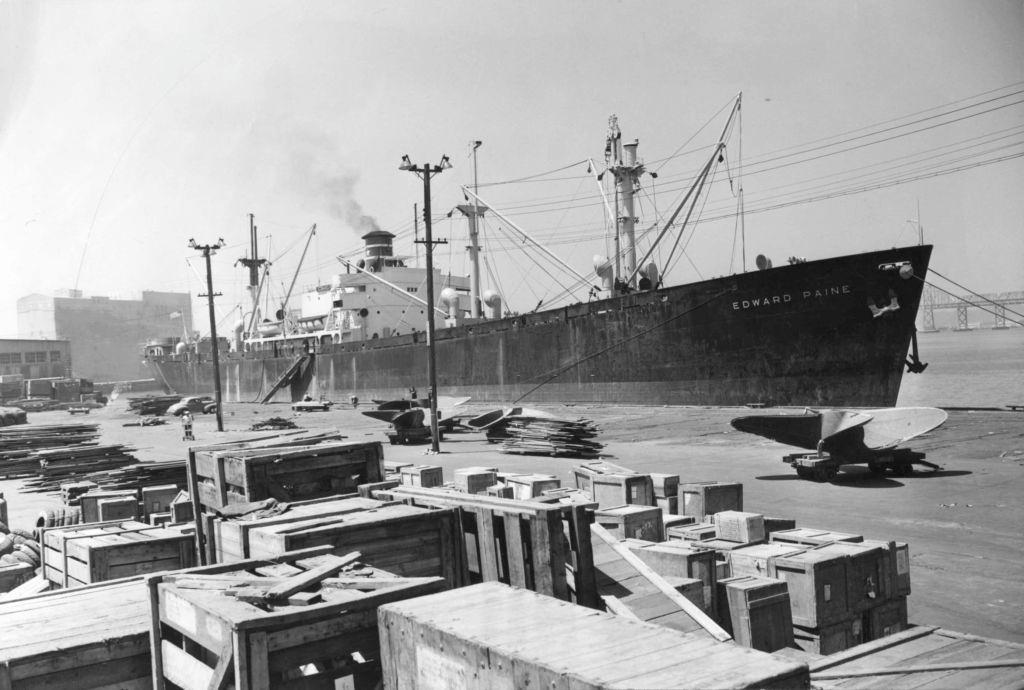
962,523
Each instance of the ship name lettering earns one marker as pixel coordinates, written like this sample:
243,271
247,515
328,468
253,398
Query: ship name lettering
786,298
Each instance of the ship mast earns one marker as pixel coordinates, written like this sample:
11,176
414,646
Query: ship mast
622,162
473,213
253,263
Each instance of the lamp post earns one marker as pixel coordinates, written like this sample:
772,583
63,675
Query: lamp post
208,250
425,172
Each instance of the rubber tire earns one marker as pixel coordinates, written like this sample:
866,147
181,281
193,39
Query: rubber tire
74,513
804,473
32,546
30,554
903,469
45,520
22,533
6,545
23,557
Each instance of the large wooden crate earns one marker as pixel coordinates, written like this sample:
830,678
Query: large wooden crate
90,502
96,552
611,490
866,580
403,539
632,522
540,546
76,639
292,473
493,636
817,586
704,499
831,638
678,559
756,610
301,620
759,559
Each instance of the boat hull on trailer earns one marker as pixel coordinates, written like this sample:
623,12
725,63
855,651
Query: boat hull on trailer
833,332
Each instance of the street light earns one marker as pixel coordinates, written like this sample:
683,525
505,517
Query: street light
425,172
208,250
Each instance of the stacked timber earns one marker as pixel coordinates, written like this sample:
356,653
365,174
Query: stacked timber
12,415
555,437
141,475
53,467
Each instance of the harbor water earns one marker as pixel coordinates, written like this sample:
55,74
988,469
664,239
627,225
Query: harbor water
983,367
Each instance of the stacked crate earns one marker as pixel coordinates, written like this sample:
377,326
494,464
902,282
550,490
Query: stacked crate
666,492
756,610
95,552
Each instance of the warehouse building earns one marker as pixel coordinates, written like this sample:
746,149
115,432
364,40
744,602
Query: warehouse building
106,335
34,359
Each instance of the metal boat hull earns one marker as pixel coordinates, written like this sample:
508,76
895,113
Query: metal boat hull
820,333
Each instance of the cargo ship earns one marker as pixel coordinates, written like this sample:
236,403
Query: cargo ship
830,332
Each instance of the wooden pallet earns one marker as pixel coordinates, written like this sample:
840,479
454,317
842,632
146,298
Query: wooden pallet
538,546
303,620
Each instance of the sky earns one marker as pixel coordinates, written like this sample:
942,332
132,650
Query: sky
128,127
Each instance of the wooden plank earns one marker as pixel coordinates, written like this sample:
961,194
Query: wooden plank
184,670
486,544
193,492
580,519
225,661
685,604
297,583
924,668
869,648
155,642
514,551
615,605
259,662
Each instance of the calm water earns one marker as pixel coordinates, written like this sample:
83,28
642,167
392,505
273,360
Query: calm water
983,368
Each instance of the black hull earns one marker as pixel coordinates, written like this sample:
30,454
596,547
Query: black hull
804,334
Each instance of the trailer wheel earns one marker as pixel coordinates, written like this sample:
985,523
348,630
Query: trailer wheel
903,469
876,468
804,473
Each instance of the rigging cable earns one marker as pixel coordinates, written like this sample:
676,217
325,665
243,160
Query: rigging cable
971,292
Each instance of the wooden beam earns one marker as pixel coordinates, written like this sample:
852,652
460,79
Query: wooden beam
297,583
924,668
658,581
615,605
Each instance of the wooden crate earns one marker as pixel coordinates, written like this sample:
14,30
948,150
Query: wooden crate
866,580
584,474
475,480
610,490
96,552
13,574
759,559
632,522
181,508
403,539
887,618
494,636
302,620
527,486
737,526
544,547
692,532
112,509
157,499
895,567
422,475
665,485
704,499
669,504
758,612
90,502
830,639
70,492
75,639
817,586
293,473
676,559
776,524
670,521
809,536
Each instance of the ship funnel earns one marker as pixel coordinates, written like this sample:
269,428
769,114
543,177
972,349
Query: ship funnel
603,268
239,327
450,302
493,300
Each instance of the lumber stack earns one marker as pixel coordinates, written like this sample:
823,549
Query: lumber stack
555,437
57,466
142,474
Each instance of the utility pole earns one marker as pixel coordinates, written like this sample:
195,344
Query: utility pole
208,250
416,231
425,172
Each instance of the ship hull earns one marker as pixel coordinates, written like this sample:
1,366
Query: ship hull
821,333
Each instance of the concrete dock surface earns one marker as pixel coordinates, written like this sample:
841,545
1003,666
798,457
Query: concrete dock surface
964,523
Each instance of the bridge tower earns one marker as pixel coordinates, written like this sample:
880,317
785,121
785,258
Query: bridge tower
961,317
928,310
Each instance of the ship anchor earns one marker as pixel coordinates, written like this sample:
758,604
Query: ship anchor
914,363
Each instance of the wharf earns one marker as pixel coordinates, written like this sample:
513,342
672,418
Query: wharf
962,523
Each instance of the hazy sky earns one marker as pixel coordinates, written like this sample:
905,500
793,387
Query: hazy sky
129,126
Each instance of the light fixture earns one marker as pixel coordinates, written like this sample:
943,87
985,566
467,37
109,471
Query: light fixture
406,163
445,163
